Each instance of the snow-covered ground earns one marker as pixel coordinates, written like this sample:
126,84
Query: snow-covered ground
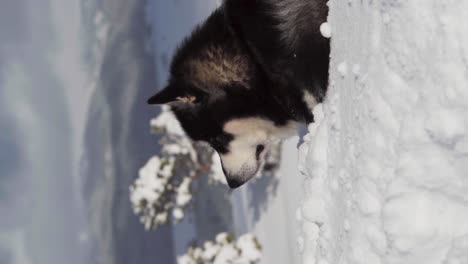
387,162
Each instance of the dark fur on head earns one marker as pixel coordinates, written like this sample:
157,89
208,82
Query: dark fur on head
248,59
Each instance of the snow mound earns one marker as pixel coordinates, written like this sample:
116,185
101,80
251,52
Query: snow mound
387,161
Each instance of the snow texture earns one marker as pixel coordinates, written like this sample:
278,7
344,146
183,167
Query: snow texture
325,30
246,250
387,161
150,193
217,174
168,124
156,190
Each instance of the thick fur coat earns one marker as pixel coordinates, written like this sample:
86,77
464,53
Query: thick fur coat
246,75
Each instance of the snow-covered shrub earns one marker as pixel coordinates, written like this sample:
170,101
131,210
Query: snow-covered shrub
164,183
245,250
156,192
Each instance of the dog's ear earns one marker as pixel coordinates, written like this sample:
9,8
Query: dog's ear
172,96
167,95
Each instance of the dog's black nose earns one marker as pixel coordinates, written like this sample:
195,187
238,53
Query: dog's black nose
234,183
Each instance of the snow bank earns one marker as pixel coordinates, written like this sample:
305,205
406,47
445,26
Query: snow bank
387,162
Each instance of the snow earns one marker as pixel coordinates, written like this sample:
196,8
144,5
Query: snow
217,174
246,250
167,123
343,69
356,70
156,191
386,162
249,248
183,192
149,189
325,30
178,214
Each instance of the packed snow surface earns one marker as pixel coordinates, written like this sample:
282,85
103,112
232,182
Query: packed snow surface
387,160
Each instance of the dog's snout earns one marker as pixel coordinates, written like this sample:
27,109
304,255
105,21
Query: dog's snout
239,167
224,170
234,182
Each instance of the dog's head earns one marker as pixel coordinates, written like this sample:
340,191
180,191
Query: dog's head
218,96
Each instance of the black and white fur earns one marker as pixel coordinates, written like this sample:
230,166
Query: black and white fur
246,76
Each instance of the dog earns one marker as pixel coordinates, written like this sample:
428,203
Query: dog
247,76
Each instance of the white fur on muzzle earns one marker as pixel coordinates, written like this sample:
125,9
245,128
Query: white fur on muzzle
252,139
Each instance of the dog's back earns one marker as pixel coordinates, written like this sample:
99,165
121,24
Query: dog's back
284,37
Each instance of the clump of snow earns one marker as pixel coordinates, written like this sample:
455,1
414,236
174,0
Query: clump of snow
177,142
325,30
178,214
246,250
183,192
249,248
167,121
163,186
342,69
386,162
151,193
356,70
217,173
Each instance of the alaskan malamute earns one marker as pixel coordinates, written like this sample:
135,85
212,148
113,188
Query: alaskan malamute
247,75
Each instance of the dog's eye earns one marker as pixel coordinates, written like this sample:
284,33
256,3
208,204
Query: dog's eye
224,138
